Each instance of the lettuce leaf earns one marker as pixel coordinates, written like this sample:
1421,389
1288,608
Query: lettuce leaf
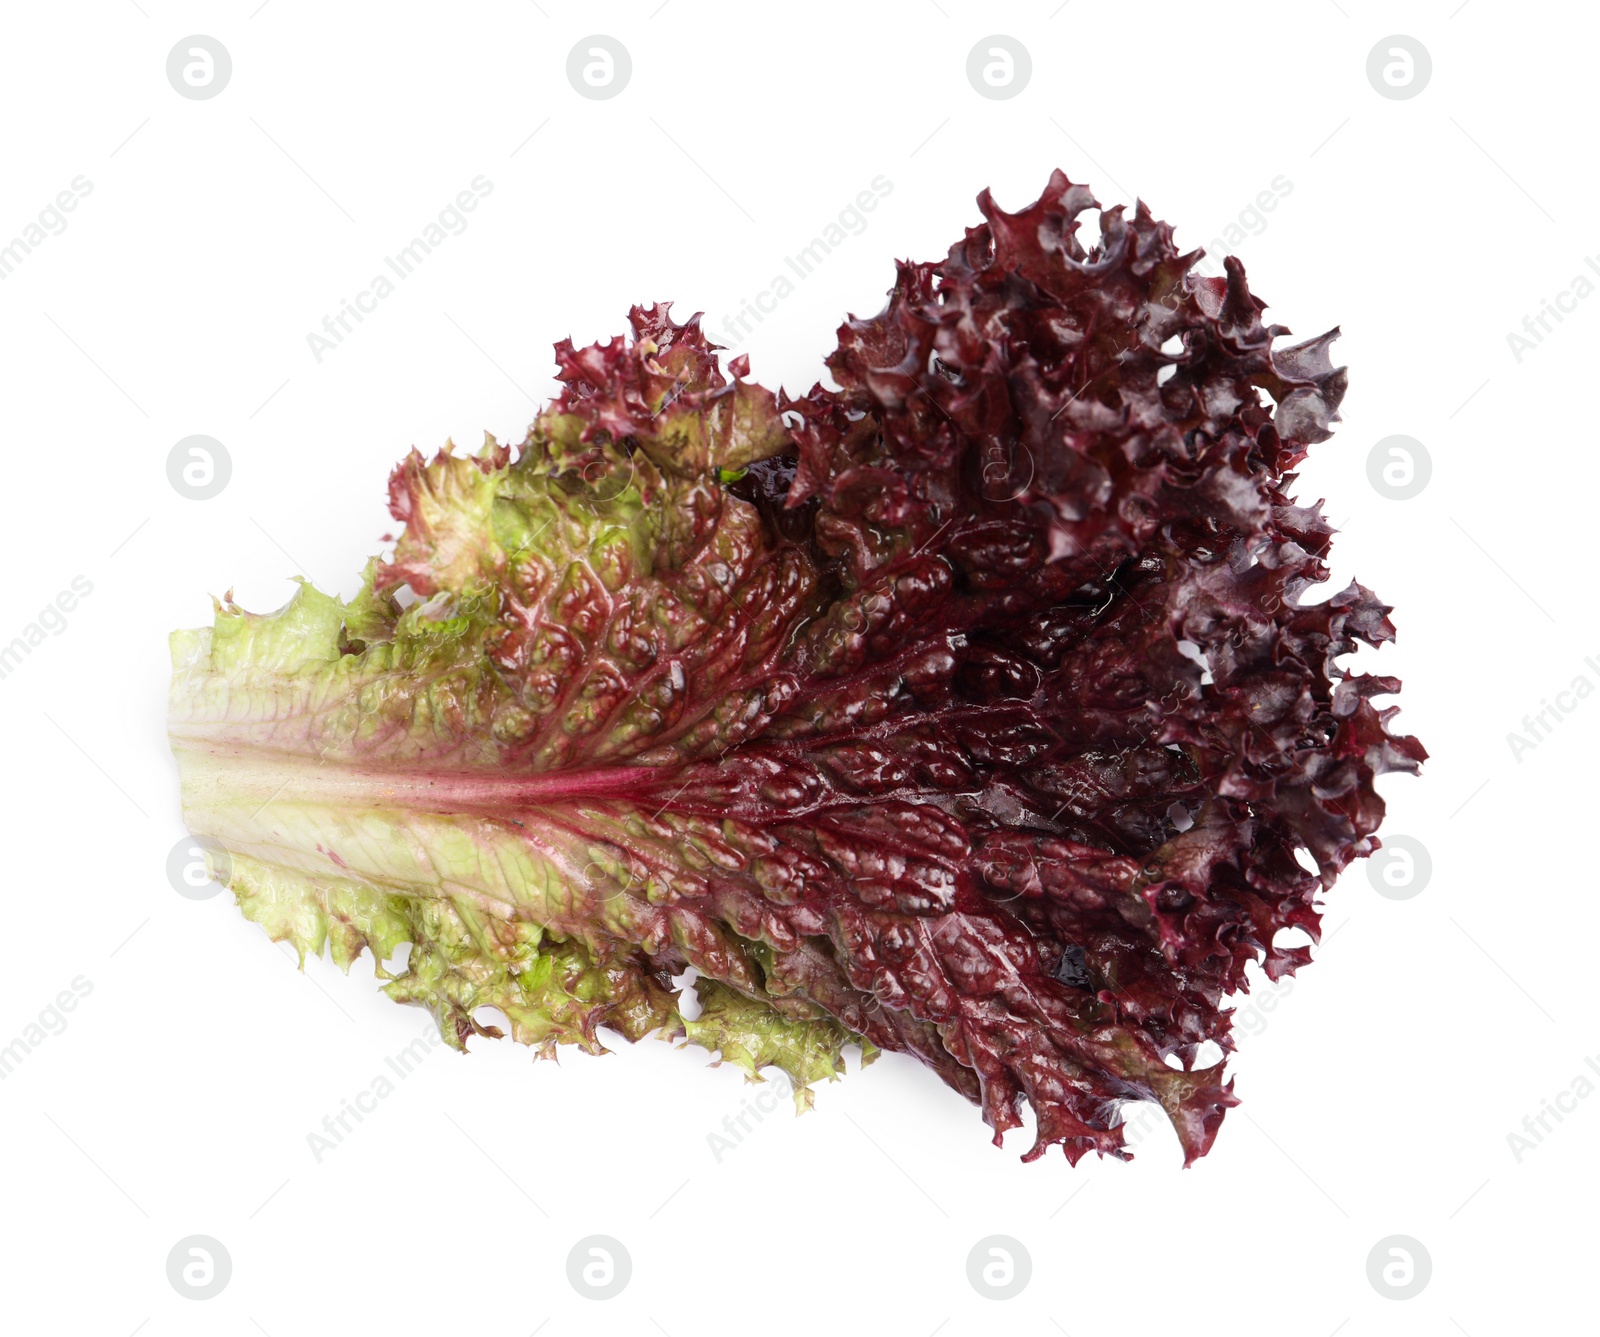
967,710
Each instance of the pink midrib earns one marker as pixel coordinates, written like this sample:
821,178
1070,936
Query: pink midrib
241,770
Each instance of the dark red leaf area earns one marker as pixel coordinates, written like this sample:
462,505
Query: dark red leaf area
1023,787
1092,573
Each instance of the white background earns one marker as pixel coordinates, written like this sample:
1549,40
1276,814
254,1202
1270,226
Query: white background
1379,1093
